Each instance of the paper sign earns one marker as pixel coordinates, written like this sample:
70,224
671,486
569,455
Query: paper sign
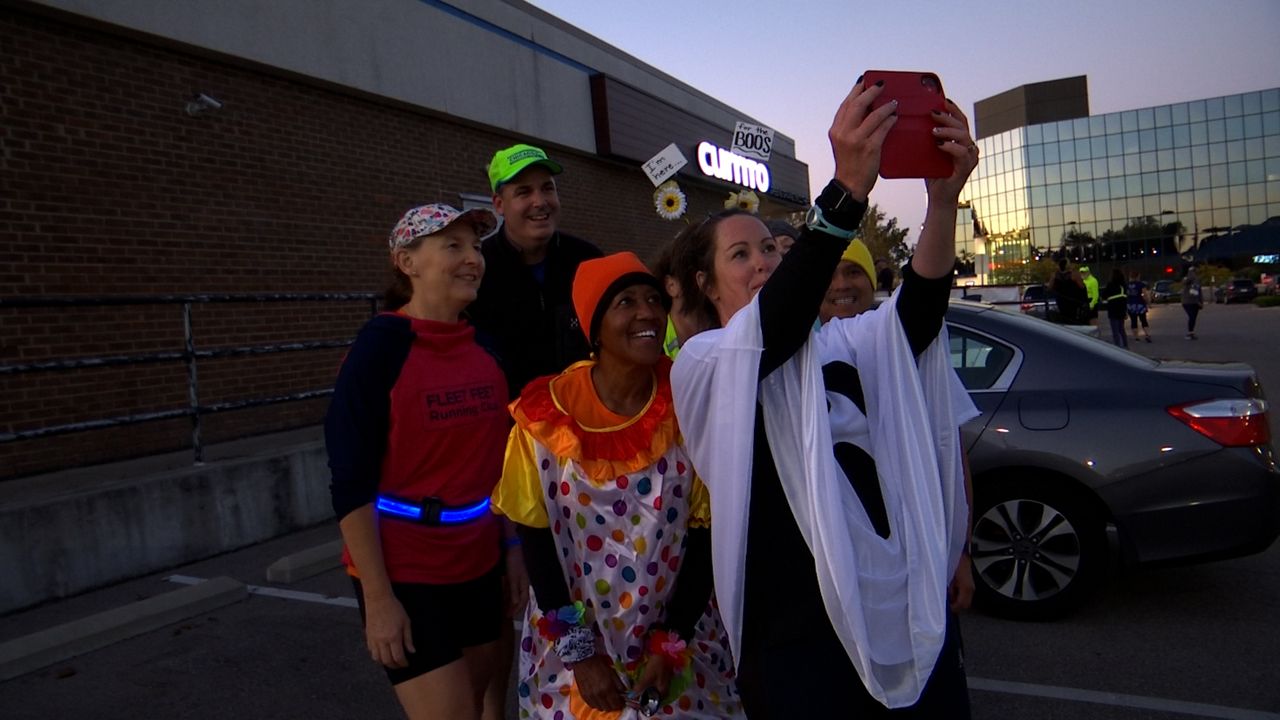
753,140
662,166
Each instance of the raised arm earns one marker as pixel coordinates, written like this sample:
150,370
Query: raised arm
926,281
790,299
935,254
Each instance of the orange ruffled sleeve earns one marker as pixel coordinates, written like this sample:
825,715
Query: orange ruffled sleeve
519,492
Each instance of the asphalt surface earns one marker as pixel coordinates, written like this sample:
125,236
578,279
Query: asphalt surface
1185,642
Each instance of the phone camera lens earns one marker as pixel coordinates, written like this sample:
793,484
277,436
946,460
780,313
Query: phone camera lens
929,82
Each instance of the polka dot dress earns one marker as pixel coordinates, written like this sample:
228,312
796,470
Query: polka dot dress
620,547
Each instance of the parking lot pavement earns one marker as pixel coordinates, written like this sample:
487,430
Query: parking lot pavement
1176,643
263,657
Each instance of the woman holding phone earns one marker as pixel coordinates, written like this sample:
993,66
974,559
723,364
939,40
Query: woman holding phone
831,456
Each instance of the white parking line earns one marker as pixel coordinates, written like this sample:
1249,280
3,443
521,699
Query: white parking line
1119,700
975,683
277,592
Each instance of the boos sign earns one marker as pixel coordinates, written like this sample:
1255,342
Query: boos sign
727,165
753,141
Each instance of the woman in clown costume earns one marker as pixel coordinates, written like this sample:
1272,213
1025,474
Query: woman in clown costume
614,524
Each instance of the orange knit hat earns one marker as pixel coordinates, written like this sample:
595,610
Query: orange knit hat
598,280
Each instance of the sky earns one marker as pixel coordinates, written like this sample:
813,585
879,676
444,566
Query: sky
788,64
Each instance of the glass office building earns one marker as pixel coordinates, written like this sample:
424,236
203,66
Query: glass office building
1138,188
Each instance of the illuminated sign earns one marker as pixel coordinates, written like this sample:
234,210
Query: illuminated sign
1266,259
724,164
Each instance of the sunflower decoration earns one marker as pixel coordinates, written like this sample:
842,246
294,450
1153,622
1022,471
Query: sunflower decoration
743,200
670,201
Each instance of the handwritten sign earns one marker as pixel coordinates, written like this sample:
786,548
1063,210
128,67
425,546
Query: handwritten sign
753,140
666,163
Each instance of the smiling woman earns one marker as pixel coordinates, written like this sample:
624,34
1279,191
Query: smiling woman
414,434
614,523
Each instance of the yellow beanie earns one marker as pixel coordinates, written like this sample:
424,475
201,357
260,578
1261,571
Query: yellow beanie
858,254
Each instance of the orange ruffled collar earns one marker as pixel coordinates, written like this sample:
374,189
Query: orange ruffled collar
602,453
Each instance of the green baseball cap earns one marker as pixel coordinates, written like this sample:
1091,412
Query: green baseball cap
509,162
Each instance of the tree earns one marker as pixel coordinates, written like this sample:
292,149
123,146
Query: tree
1077,244
1026,273
883,237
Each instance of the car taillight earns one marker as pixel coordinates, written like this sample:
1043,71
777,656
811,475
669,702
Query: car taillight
1239,422
1026,307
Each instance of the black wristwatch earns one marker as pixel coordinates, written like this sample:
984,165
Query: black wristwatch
836,212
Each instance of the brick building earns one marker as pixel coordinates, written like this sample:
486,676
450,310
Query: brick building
333,118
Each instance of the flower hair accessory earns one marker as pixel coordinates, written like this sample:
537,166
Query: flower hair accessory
743,200
556,623
669,200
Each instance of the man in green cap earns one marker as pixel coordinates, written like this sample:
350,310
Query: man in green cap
525,303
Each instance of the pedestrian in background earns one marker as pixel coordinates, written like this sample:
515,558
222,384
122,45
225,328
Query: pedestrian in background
1136,305
1091,290
1192,300
1116,298
1072,299
415,433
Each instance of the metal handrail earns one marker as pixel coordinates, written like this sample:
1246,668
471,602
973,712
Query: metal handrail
189,355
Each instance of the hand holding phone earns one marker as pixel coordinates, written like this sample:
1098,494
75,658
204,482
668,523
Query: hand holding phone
910,150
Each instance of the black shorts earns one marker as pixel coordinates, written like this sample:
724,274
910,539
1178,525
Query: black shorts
445,619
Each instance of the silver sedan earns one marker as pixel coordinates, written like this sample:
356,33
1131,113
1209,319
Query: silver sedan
1086,453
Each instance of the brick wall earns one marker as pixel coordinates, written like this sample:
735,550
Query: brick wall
108,188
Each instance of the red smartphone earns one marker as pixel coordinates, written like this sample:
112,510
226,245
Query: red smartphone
910,150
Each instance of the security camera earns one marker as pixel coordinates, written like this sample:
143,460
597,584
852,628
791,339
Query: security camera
201,102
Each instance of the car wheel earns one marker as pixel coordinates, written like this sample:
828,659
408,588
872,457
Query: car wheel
1038,547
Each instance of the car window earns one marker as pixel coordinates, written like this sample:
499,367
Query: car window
1064,339
978,360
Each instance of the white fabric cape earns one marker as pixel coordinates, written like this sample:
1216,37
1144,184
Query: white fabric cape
886,598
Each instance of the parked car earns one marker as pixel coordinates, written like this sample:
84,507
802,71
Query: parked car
1237,290
1163,292
1079,438
1036,301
